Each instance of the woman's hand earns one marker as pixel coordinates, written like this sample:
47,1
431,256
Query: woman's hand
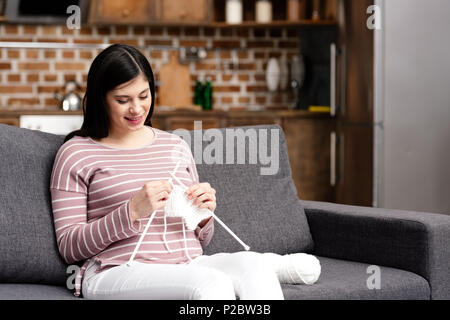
152,196
203,194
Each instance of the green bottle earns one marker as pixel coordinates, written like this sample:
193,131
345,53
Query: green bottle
207,95
198,93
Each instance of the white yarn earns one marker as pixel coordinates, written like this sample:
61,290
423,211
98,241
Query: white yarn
297,268
178,205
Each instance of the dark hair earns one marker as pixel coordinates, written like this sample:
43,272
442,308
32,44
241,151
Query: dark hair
115,65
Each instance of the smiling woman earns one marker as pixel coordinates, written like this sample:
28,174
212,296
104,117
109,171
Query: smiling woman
114,176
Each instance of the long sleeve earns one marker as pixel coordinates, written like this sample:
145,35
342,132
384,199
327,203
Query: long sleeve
79,239
205,233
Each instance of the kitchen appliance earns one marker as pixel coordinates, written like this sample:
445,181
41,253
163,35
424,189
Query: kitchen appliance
70,100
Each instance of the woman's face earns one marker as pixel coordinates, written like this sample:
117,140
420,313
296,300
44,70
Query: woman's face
129,105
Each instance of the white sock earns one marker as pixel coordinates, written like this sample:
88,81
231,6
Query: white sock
297,268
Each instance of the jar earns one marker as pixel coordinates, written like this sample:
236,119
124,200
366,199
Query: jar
233,11
294,10
263,11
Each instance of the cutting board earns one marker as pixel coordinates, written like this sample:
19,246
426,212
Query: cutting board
175,85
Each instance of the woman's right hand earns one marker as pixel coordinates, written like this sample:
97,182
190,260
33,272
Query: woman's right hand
152,196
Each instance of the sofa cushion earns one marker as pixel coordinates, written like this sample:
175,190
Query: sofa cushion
262,209
347,280
11,291
28,250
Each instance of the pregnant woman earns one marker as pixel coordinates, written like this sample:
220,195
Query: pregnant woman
112,174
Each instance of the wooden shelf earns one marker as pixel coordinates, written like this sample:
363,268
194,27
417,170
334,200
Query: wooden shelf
274,24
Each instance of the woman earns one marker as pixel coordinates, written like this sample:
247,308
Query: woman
112,174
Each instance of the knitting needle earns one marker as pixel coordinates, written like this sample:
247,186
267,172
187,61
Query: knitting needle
141,238
246,247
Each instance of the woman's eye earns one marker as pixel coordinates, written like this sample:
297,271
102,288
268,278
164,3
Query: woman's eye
143,98
122,101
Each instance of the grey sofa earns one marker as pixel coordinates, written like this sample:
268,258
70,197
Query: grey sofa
365,253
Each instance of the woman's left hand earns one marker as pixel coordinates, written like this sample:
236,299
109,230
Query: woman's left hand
203,194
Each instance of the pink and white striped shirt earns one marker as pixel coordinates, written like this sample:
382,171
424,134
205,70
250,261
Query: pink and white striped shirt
91,186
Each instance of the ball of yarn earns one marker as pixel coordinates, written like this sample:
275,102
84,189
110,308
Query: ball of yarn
300,268
297,268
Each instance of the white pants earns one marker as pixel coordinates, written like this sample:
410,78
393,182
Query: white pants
222,276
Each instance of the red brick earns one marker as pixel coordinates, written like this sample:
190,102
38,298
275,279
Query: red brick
5,66
26,29
48,89
69,66
34,66
50,54
227,88
49,30
68,54
23,101
13,54
11,29
14,77
16,89
33,77
32,54
50,77
256,88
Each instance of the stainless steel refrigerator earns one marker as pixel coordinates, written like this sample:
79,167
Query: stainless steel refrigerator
412,105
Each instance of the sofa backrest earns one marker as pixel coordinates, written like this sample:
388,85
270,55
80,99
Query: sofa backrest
28,250
256,198
263,210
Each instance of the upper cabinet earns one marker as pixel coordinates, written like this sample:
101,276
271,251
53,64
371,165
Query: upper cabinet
122,12
149,12
176,11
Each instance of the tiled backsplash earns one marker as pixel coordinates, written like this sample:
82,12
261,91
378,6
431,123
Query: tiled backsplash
236,60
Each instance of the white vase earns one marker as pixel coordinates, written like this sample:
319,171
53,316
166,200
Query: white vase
273,74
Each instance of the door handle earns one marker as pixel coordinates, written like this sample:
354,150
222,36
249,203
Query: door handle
333,158
333,55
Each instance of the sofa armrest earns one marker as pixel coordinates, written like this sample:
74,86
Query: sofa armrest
409,240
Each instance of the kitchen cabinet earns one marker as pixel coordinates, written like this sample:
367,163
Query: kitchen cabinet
149,12
307,136
123,12
191,11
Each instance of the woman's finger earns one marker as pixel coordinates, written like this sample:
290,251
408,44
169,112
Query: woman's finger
203,198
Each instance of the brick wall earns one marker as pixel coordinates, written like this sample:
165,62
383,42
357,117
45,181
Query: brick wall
29,77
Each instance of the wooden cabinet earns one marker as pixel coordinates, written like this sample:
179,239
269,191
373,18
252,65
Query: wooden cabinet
122,12
149,11
191,11
11,121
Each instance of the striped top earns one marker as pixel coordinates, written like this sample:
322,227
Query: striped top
91,186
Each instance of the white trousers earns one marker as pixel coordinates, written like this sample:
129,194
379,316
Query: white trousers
222,276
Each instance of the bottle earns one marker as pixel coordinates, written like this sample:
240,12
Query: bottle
293,10
263,11
207,95
198,93
233,11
